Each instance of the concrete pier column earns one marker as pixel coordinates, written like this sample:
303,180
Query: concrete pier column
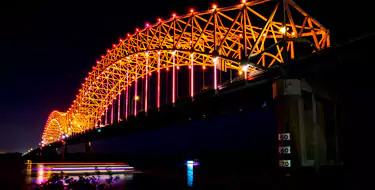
64,150
289,115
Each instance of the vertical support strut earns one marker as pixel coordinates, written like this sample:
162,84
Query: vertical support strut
106,108
100,115
127,90
158,88
192,75
215,51
203,69
215,73
119,102
112,110
146,83
174,78
244,26
285,56
230,74
112,106
135,85
244,17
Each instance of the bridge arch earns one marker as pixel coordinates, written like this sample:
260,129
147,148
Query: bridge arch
247,39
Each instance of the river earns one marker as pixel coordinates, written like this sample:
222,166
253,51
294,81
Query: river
189,174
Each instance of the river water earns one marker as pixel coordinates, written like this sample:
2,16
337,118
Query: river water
228,171
128,177
182,175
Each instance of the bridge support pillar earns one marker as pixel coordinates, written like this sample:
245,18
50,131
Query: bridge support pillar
307,124
64,151
287,96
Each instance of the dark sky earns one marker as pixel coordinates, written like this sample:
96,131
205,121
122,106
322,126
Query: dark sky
48,47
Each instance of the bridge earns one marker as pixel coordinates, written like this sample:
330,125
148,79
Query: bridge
192,63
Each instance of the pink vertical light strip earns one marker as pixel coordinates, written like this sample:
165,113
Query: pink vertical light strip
192,75
174,78
106,116
106,109
112,106
100,116
135,85
127,91
158,89
215,73
119,102
112,110
146,82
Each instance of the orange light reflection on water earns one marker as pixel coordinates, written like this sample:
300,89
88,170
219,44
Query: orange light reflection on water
41,172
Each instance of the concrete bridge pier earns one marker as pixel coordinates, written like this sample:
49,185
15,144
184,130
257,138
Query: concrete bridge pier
307,124
45,153
287,96
64,150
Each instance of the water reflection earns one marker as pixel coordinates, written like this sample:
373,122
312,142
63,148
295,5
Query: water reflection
41,172
41,175
28,173
190,173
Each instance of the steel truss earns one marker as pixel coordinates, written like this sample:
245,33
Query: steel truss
250,37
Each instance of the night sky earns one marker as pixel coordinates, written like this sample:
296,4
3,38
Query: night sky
48,47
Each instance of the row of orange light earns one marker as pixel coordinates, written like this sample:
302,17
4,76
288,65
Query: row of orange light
214,6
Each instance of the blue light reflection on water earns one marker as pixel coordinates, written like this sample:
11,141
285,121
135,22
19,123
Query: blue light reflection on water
190,173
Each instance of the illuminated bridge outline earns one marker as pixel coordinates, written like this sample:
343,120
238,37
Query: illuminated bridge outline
246,40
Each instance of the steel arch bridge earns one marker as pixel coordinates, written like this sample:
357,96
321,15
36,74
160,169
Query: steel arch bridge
182,55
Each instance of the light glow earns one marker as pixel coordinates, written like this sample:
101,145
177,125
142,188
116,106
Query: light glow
245,67
136,98
283,29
